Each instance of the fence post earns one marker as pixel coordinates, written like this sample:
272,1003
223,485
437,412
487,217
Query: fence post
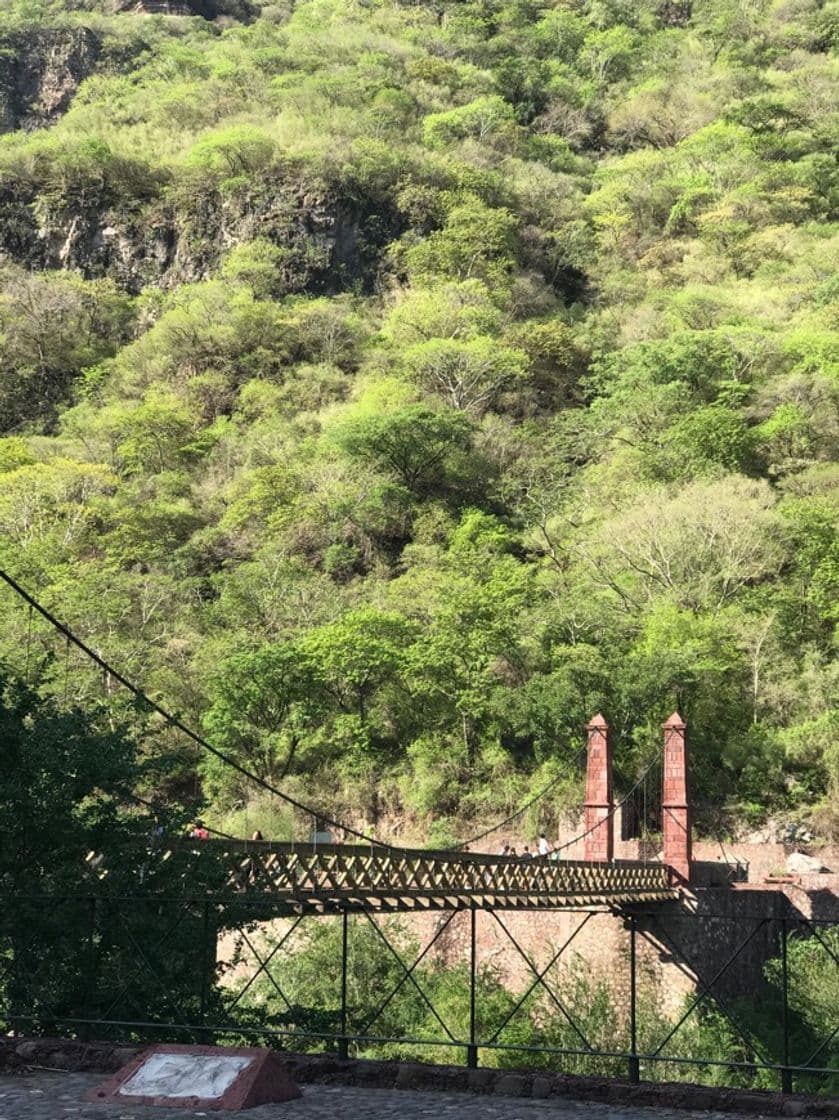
92,955
634,1069
205,963
343,1044
472,1050
786,1072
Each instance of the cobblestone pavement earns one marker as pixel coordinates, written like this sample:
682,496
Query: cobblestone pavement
61,1096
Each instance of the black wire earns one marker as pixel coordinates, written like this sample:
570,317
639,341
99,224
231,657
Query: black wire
536,797
533,800
614,809
173,720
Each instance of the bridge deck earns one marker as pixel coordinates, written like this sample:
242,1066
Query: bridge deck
336,877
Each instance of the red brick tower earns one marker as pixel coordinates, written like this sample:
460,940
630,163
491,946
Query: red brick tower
675,808
599,804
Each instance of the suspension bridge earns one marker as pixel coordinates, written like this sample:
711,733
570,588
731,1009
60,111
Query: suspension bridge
371,875
300,878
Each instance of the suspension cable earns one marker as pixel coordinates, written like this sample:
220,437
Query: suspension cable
612,811
174,721
523,809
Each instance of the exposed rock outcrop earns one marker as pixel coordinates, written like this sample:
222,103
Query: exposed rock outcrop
167,238
40,73
240,10
798,863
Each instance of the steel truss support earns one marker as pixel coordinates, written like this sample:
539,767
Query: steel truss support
707,986
183,910
124,979
409,974
827,1041
540,980
263,966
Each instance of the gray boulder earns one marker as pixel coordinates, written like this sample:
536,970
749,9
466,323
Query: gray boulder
800,864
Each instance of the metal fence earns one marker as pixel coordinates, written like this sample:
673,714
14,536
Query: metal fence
149,968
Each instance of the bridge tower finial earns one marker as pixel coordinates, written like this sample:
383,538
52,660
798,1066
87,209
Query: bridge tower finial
675,804
599,804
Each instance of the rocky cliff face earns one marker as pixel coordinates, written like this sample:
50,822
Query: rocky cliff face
170,238
40,73
149,230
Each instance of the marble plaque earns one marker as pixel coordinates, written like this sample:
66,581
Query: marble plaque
184,1075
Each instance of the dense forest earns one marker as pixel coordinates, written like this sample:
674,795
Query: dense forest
389,385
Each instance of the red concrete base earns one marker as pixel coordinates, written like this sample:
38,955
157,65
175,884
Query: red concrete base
162,1075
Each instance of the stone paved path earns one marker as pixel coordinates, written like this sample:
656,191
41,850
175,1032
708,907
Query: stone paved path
61,1096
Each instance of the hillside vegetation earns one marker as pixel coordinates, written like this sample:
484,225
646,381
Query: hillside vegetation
389,386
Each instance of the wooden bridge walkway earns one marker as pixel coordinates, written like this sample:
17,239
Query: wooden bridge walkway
302,878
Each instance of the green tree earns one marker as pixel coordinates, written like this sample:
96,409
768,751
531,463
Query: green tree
357,655
417,443
260,703
476,242
487,119
51,327
469,376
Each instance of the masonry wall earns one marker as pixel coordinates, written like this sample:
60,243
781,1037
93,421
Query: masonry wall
681,946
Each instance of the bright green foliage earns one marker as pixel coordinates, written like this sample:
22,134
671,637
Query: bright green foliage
476,242
467,375
256,715
487,120
391,386
232,151
417,443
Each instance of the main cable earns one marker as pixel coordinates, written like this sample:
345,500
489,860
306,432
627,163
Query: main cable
612,811
536,797
173,720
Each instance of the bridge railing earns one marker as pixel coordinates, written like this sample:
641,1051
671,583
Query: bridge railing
203,970
337,875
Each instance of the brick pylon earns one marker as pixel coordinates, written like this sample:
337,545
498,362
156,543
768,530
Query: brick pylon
675,807
599,804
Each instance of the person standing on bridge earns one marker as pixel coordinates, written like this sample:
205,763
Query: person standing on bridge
544,846
200,832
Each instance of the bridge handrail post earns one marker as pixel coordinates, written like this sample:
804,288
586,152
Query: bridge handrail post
343,1042
634,1067
472,1050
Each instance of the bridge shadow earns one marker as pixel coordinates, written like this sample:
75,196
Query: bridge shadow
736,948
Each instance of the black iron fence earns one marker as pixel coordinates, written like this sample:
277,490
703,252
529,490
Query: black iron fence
758,1002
